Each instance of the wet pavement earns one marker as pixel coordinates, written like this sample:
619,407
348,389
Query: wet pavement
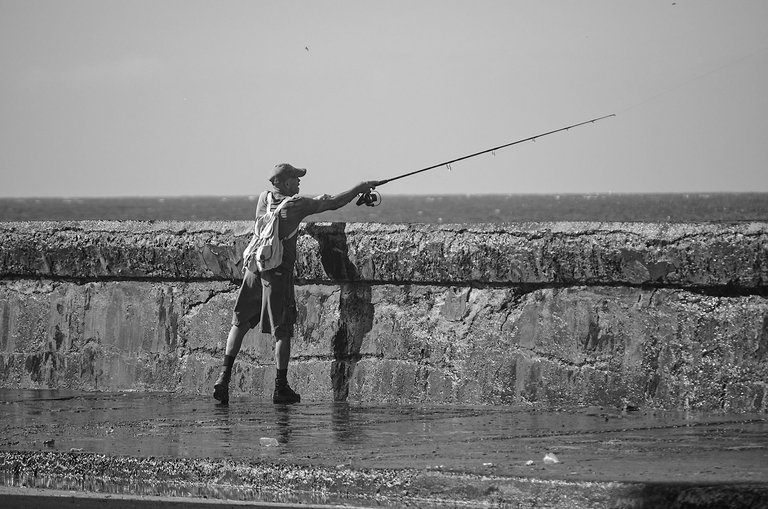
186,446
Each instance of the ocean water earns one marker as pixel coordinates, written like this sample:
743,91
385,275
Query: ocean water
507,208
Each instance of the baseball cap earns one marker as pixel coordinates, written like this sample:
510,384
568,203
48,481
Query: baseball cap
284,170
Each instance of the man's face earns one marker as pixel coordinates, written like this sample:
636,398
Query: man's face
291,185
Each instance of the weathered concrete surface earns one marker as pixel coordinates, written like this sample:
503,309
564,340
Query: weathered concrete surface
187,448
663,316
701,255
596,345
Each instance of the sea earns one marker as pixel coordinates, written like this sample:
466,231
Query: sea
449,209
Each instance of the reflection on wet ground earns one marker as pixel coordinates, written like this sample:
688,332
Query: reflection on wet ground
591,443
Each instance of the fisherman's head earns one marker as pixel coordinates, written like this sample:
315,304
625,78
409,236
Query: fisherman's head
286,178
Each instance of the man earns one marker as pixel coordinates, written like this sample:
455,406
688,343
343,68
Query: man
268,297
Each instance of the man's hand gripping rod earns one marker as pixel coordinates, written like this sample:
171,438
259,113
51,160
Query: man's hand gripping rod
373,198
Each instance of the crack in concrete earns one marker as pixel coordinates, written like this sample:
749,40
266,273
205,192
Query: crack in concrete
79,280
728,290
536,355
192,308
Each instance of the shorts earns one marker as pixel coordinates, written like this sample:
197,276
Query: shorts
268,298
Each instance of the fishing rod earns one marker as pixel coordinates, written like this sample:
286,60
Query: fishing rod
373,198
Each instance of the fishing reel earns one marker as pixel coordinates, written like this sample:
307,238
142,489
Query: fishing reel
370,198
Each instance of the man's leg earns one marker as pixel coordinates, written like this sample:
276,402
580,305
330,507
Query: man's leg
279,318
282,352
234,341
244,317
283,392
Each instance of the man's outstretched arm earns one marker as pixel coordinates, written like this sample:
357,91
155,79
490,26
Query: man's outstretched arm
326,202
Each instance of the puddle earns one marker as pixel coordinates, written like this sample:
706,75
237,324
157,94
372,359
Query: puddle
591,443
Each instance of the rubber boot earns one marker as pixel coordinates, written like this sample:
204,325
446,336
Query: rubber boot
283,392
221,387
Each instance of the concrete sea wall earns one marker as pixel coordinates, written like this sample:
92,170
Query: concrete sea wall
619,314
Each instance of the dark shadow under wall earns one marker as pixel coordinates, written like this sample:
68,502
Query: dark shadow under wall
355,307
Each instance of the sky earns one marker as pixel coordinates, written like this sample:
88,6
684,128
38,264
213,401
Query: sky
190,97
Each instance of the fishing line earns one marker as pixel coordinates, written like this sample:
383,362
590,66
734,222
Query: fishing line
674,88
